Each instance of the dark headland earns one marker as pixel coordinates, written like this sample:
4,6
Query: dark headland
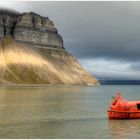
32,52
120,82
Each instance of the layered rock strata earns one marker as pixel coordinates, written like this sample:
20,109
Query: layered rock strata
30,28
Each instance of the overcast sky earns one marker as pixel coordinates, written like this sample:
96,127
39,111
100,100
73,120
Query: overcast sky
104,36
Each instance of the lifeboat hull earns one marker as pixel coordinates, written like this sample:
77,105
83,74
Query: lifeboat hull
112,114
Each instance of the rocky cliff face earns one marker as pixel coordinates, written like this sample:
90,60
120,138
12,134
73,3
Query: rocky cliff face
30,28
32,52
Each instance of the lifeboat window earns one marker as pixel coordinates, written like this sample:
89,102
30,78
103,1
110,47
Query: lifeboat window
138,106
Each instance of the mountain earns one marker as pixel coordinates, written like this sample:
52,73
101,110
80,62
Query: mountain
32,52
120,82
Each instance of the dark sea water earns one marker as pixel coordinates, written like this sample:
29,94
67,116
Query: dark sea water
64,112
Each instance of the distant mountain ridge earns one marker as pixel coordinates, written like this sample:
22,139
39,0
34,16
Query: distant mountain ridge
119,82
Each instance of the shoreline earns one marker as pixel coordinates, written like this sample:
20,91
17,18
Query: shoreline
45,85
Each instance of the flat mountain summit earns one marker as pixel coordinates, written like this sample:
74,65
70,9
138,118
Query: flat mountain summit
32,52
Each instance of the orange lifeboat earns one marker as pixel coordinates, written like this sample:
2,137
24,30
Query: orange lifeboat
120,108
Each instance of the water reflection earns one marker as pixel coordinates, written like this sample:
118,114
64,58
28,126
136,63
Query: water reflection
124,128
31,103
35,112
62,112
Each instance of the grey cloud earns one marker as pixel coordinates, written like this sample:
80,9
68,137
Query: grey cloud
135,66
